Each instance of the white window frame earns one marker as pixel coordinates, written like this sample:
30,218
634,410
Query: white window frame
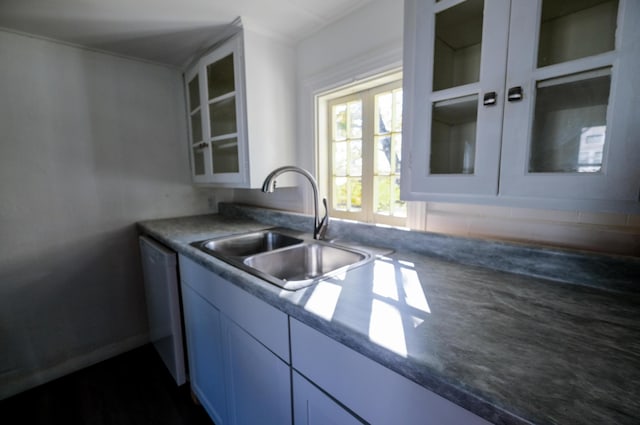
371,86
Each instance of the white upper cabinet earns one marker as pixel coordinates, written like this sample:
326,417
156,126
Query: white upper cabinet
240,104
522,102
460,57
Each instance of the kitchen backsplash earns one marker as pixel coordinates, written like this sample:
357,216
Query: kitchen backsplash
611,272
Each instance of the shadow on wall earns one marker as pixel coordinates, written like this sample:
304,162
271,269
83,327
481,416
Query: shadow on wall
65,298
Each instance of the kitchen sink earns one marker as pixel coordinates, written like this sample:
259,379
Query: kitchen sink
286,261
249,244
302,265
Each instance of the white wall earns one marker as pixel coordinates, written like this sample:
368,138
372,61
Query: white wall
89,144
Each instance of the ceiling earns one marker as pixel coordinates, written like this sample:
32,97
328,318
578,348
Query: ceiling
166,31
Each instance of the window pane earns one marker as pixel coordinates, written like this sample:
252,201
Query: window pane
384,108
355,194
347,194
573,29
398,207
339,122
340,159
225,156
458,45
382,195
453,136
355,158
387,197
339,195
570,123
355,120
397,110
383,155
397,152
194,94
220,78
223,117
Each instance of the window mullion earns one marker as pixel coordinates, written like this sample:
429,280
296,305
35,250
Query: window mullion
368,148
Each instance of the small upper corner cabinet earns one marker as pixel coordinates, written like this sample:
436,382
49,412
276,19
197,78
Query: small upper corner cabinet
523,100
240,105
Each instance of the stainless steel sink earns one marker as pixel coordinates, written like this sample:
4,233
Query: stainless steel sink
301,265
249,244
286,261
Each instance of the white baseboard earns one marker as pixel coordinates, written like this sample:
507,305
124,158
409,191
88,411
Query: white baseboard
41,376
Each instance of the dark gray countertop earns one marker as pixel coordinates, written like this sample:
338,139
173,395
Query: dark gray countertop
508,347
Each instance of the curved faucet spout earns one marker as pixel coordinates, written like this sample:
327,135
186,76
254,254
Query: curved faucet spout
319,226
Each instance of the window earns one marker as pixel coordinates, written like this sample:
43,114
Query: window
364,140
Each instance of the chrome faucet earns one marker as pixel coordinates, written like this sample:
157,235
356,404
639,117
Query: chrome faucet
319,226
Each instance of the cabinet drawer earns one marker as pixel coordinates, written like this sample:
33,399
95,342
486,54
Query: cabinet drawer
265,323
201,280
375,393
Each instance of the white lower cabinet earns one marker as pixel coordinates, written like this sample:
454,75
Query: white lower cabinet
259,382
238,351
204,342
373,392
245,355
313,407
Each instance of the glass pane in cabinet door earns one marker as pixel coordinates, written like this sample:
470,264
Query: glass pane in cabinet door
196,127
458,45
222,116
194,94
220,79
573,29
198,161
225,156
453,136
570,123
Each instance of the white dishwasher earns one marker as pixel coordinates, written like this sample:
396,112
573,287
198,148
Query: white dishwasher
159,267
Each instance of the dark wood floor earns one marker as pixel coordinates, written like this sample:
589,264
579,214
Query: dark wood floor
132,389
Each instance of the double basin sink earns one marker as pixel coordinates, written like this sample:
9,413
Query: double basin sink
286,261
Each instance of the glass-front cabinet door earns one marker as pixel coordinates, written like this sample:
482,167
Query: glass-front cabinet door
524,99
463,85
566,131
198,147
214,89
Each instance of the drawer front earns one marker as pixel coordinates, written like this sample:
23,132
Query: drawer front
264,322
375,393
201,280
